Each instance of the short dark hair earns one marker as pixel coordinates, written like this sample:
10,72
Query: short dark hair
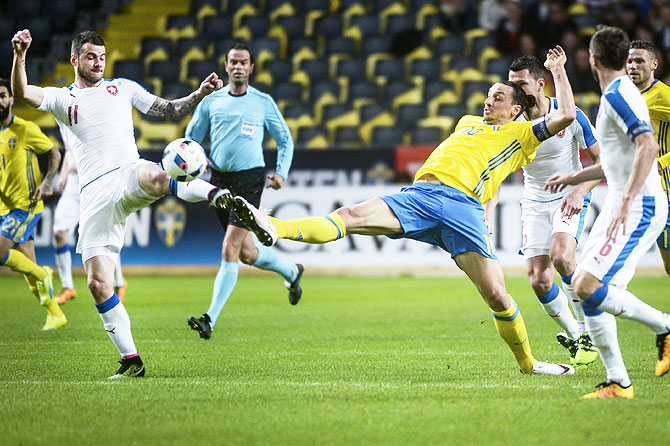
610,45
530,63
645,45
85,37
520,97
5,83
243,47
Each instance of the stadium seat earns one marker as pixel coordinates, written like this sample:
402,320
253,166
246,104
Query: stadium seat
350,68
363,91
197,5
307,6
222,46
175,91
390,69
200,69
444,123
453,110
270,45
368,24
294,26
432,89
461,63
395,89
370,111
165,70
347,136
471,87
383,119
258,25
308,133
329,26
427,135
216,27
280,70
376,44
498,66
331,111
315,69
151,44
451,44
479,44
296,45
295,111
429,69
428,22
288,91
40,29
7,28
23,9
129,69
181,23
407,115
399,23
318,89
187,44
386,137
340,45
65,11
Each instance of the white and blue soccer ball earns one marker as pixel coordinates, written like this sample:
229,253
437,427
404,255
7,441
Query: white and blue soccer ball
184,159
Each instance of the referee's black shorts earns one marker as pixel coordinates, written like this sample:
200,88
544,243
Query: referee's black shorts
245,183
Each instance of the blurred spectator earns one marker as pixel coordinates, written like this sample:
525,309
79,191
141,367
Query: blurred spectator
629,18
458,15
491,13
550,30
580,74
643,32
528,46
508,33
663,27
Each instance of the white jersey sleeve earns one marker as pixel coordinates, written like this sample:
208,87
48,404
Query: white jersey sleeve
139,96
55,102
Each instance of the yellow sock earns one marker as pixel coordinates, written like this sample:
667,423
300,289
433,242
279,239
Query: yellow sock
31,286
312,229
512,329
53,308
17,261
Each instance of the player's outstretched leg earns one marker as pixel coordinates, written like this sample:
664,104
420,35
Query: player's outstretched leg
268,260
55,317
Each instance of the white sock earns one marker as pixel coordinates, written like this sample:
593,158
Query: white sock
602,329
193,191
64,264
118,273
117,325
623,303
555,304
576,305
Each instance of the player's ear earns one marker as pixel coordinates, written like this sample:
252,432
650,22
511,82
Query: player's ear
73,59
654,65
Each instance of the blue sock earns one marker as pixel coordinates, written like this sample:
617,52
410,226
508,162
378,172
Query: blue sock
224,284
268,260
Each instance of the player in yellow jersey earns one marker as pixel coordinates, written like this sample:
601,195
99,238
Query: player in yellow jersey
444,206
640,65
21,193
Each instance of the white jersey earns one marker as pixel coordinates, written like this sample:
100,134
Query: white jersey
100,121
622,116
560,153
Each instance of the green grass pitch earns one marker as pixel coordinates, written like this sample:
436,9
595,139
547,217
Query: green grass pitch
361,360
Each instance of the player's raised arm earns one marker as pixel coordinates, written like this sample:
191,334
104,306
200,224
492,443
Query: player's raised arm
178,108
32,94
567,111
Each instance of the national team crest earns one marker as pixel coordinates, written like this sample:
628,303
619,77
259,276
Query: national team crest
12,142
111,89
170,221
561,133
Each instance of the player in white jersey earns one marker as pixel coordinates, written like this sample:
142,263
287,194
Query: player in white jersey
553,222
114,181
634,214
66,219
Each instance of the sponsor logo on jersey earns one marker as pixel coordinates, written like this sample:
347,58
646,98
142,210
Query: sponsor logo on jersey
170,221
111,89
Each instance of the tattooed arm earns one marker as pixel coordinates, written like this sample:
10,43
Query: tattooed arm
177,108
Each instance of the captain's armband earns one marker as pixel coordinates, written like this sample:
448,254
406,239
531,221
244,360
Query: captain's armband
540,128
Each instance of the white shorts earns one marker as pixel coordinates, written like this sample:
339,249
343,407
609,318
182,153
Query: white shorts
106,202
614,261
540,220
66,217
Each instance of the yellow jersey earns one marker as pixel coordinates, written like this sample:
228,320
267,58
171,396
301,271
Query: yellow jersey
478,156
19,170
657,96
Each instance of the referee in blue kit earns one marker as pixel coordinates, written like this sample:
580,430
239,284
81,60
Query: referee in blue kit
234,118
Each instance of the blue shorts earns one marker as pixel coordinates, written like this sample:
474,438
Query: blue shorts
662,240
442,216
19,225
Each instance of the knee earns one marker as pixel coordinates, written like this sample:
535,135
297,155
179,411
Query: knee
582,286
248,255
230,252
154,181
60,238
563,263
541,281
98,288
497,298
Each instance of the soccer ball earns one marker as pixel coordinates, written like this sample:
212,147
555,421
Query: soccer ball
184,159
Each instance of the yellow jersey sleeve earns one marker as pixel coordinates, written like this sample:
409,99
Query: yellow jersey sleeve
36,141
478,156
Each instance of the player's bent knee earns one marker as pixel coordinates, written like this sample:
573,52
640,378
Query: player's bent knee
60,238
582,285
154,181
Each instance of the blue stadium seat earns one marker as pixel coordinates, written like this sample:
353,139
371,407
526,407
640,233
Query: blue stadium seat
376,44
270,44
222,46
348,136
370,111
428,68
150,44
391,69
320,88
294,111
451,44
280,70
433,89
455,111
200,69
316,69
130,69
296,45
408,115
257,24
216,27
314,5
181,22
363,90
367,23
307,133
331,111
176,90
65,11
340,45
166,70
461,63
294,26
386,137
394,89
351,68
287,91
399,23
329,26
185,44
426,135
